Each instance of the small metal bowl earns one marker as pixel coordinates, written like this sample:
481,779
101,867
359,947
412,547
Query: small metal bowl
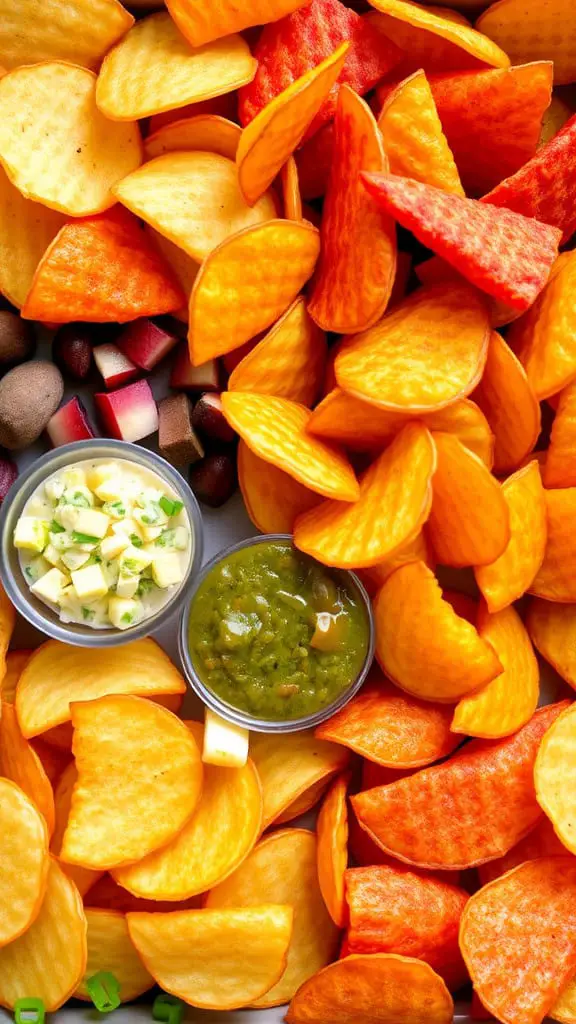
34,610
228,711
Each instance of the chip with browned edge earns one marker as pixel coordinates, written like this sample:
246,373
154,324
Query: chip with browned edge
273,499
23,861
507,400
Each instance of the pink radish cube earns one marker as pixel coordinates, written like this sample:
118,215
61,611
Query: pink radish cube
185,377
146,343
69,423
115,367
130,413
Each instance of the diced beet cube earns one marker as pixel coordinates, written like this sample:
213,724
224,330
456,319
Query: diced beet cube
115,367
185,377
208,418
146,343
177,438
130,413
69,423
8,474
214,479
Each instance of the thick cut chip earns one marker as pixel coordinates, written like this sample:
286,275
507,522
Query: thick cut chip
429,351
53,761
183,267
58,674
278,129
102,268
216,839
83,878
153,68
247,283
528,33
289,362
15,663
469,521
560,465
273,499
139,781
542,841
24,863
302,804
26,230
203,20
332,828
414,142
552,628
78,31
510,700
193,199
378,989
357,265
418,550
215,959
556,578
106,894
436,270
518,939
554,775
509,404
394,503
292,200
275,429
223,106
56,146
469,810
290,765
20,762
391,728
49,959
423,645
208,132
110,948
283,867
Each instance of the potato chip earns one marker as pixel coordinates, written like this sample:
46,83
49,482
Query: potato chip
542,841
314,161
560,457
283,867
509,404
183,267
56,146
23,861
247,283
110,949
7,623
518,939
121,810
304,803
332,829
15,662
417,550
291,190
377,989
78,31
83,878
49,959
278,129
394,503
53,761
58,674
564,1008
556,578
553,776
552,628
106,894
20,763
527,34
208,132
26,230
289,765
436,271
215,959
429,351
433,819
209,19
221,106
275,429
288,362
510,700
273,499
423,645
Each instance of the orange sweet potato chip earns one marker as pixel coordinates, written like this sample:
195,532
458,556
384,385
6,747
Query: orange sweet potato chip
26,230
429,351
204,20
509,404
559,468
357,265
289,362
510,700
556,578
83,878
552,628
275,429
283,867
332,829
246,283
15,662
542,841
432,819
518,938
436,270
23,861
529,34
273,499
110,948
394,503
554,777
292,199
423,645
417,550
208,132
20,762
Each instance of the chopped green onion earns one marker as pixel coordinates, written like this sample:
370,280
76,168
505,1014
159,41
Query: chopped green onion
88,614
145,586
165,538
84,538
127,618
135,540
56,528
170,507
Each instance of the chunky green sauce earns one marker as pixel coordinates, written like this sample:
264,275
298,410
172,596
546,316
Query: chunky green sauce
274,634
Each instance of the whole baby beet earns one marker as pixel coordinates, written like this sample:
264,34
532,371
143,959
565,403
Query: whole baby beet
29,395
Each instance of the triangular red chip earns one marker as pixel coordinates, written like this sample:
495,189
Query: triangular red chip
503,253
102,268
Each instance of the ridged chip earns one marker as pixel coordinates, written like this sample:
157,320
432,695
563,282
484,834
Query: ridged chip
332,831
110,949
554,774
552,628
209,19
528,33
509,404
542,841
24,863
83,878
273,499
556,577
417,550
78,31
208,132
20,763
26,231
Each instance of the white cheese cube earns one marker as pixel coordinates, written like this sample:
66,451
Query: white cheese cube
225,744
38,567
67,516
150,533
52,555
74,477
50,586
90,583
124,612
133,560
127,586
97,476
114,545
128,527
92,522
166,570
31,534
54,488
74,559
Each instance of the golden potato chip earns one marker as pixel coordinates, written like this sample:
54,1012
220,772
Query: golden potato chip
58,674
184,267
429,351
15,662
247,283
139,781
283,867
530,34
559,466
7,623
216,839
26,230
153,68
110,948
552,628
56,146
556,577
23,863
332,828
275,429
289,362
209,19
417,550
49,959
394,503
53,761
278,129
79,31
83,878
272,498
208,132
289,765
554,776
291,190
215,959
304,803
20,762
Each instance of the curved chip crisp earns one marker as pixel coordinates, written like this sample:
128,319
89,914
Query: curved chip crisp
139,781
215,959
209,19
292,199
556,578
506,398
289,362
50,958
106,894
357,265
518,939
423,645
110,948
273,499
247,282
510,700
436,270
377,989
304,803
554,776
83,878
208,132
183,267
417,550
429,351
542,841
275,429
290,765
529,34
79,31
283,867
552,628
15,662
391,728
26,231
487,781
561,455
332,829
394,503
24,863
314,160
20,762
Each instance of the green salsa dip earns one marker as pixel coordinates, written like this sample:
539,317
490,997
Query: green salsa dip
275,634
